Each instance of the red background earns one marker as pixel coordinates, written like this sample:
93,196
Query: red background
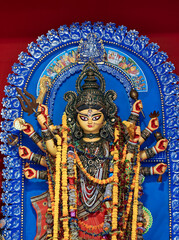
23,21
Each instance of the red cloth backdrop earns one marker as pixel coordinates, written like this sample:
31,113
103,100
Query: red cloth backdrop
23,21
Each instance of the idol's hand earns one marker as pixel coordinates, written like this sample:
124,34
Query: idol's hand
137,134
161,145
137,106
43,121
42,118
153,124
43,109
30,173
160,168
24,152
28,129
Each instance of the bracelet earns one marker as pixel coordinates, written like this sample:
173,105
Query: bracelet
36,158
37,174
145,171
146,133
131,146
155,150
49,121
133,117
151,170
150,152
43,175
35,137
47,135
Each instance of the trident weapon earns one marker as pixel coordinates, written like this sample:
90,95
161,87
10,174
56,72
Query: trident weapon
31,105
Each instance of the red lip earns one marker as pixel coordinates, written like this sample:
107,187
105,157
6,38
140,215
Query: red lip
89,126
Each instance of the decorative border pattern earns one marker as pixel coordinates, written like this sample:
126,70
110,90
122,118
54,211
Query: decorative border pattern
22,72
118,59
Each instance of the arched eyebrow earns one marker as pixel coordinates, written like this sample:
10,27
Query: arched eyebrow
86,115
99,113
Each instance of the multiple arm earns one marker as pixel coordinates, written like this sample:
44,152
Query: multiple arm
140,138
135,138
48,137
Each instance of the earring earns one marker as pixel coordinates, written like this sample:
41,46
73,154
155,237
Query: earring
107,131
104,131
77,131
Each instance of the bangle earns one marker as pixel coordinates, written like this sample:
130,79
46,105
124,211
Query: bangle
135,113
146,133
43,175
151,171
133,117
47,135
49,121
145,171
131,146
35,137
155,150
132,142
36,158
150,152
31,156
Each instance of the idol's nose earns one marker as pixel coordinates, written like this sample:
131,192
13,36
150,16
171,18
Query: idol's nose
90,121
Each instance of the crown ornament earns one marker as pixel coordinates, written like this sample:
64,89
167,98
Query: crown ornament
90,95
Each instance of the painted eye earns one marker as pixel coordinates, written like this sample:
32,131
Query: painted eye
83,118
95,118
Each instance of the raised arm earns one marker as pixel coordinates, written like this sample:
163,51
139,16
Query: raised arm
132,143
31,173
160,146
134,116
36,138
152,126
25,153
47,132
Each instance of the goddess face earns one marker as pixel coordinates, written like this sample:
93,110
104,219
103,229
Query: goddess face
91,120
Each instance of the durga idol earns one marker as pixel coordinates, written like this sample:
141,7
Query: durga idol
93,162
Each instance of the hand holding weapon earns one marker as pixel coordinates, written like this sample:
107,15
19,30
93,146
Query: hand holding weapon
134,95
31,105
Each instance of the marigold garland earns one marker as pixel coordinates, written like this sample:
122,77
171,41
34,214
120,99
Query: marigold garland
50,188
64,179
72,187
136,194
128,206
57,189
61,170
115,154
91,227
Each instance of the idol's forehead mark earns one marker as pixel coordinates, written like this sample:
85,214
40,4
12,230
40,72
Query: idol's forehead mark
89,114
86,115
